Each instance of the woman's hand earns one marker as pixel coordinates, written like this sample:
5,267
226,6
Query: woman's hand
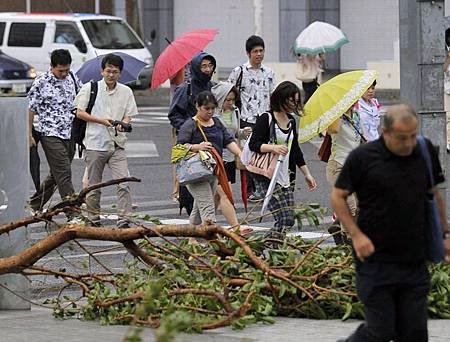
311,182
247,131
280,149
204,146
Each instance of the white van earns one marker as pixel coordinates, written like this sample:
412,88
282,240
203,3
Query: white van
32,37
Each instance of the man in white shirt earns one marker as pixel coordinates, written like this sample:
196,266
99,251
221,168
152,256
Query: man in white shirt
255,83
105,144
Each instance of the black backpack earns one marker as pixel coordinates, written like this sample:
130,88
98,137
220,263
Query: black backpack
78,125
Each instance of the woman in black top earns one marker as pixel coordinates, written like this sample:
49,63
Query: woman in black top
284,100
218,137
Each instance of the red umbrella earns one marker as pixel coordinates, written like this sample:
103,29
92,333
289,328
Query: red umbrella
244,188
179,53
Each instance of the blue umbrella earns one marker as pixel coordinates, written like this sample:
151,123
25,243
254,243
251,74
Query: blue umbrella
91,70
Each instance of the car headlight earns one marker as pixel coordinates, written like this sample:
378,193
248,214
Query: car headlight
31,73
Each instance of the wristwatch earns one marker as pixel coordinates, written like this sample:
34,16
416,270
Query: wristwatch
447,234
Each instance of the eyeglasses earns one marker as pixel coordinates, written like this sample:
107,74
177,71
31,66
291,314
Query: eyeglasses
206,66
112,72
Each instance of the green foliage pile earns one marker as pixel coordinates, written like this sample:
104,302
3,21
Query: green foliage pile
196,289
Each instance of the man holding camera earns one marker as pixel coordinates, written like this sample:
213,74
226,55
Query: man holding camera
105,136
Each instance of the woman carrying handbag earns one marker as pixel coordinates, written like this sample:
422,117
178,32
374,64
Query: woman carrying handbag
205,133
284,100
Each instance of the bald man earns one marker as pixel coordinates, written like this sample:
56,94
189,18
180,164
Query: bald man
390,179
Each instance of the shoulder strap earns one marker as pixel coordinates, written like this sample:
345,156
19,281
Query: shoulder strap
74,82
92,96
350,121
200,128
239,79
189,89
426,155
272,134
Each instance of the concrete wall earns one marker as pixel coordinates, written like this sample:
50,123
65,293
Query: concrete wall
372,28
14,182
235,21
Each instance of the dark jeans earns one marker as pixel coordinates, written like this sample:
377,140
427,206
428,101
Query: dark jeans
395,302
59,153
35,161
309,88
251,187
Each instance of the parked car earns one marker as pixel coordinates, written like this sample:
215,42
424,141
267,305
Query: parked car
32,37
15,76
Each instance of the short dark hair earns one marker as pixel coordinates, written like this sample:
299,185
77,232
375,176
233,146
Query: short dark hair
112,59
204,98
283,92
60,57
252,42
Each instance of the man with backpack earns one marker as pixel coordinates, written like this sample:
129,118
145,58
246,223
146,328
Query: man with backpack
255,83
51,98
182,107
105,140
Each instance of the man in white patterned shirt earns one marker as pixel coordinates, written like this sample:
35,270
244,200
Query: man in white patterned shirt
51,98
255,82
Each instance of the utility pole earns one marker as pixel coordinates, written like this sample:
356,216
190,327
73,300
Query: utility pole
422,53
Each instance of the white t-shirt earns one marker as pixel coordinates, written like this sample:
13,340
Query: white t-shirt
283,176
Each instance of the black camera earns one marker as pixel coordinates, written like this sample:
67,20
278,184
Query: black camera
126,126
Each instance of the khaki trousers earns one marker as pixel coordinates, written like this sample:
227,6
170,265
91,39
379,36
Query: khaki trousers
117,163
204,208
333,171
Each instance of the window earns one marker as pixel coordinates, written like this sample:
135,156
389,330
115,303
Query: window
26,34
67,33
2,31
111,34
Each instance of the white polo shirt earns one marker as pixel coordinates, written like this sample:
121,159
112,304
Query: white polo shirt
110,104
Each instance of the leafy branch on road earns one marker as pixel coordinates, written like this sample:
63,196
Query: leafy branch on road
194,278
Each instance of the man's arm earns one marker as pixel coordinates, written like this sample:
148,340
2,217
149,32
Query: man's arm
83,115
31,115
443,217
361,243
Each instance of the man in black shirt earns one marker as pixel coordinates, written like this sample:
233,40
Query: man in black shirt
390,179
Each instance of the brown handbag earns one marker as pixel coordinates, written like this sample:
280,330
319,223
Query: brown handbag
325,149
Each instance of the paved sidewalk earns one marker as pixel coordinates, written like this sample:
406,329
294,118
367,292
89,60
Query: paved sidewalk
38,325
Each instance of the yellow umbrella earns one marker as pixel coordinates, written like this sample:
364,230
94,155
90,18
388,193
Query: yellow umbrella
332,99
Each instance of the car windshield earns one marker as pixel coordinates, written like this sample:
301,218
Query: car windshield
111,34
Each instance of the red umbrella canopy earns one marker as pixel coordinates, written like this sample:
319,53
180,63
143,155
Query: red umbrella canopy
179,53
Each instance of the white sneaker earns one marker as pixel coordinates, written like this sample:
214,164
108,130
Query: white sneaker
76,220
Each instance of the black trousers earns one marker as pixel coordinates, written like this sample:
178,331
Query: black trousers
309,88
35,161
251,187
395,302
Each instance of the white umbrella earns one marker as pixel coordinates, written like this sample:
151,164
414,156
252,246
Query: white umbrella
273,181
319,37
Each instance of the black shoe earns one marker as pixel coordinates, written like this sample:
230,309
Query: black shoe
96,223
338,234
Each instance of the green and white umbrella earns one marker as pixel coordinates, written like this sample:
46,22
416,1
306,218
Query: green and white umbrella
319,37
